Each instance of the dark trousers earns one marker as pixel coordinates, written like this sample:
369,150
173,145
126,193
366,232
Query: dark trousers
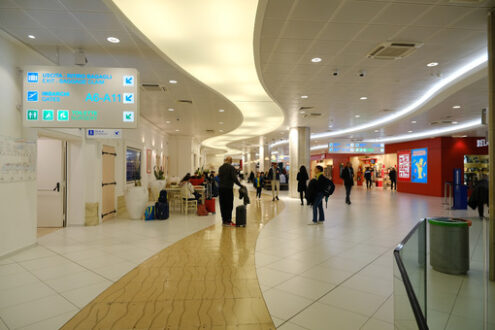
369,183
302,195
393,184
481,209
226,196
258,192
318,208
348,193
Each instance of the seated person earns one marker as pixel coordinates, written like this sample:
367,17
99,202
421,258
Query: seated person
187,189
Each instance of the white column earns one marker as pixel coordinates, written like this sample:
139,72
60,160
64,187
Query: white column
264,155
299,154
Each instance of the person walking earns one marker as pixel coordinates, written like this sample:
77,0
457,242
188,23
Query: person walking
302,178
348,176
367,176
274,176
227,177
318,187
258,183
392,174
479,197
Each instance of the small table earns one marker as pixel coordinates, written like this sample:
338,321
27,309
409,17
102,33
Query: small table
176,190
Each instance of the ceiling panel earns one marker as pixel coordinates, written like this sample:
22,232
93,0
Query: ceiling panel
315,11
299,29
401,14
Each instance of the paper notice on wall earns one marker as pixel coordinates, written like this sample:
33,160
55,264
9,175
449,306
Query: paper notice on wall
404,165
17,159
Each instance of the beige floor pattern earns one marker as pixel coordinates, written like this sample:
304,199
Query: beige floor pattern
207,280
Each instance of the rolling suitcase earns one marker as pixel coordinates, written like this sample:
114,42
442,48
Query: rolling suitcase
240,216
210,205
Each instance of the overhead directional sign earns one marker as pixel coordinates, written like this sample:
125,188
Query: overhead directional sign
96,133
80,97
346,147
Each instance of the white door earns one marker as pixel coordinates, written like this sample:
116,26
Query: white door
50,177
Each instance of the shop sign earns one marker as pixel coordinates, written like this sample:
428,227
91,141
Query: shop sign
103,133
346,147
481,143
419,165
404,165
80,97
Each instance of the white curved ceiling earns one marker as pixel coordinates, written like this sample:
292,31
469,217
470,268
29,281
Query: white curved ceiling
213,41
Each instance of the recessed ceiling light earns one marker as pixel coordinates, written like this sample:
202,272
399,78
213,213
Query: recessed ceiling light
172,81
168,121
31,36
220,122
304,96
316,60
177,130
456,107
432,64
409,131
363,98
171,109
113,40
377,130
413,122
221,131
455,122
357,116
330,126
221,110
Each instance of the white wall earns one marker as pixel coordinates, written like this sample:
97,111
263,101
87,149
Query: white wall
17,199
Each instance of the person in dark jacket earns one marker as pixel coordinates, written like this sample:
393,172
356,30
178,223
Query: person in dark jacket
317,190
348,176
479,197
302,178
258,183
227,177
392,174
274,177
367,176
251,177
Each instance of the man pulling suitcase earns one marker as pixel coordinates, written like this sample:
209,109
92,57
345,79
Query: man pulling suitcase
227,177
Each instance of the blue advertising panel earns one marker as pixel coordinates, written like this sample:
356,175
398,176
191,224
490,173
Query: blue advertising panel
419,165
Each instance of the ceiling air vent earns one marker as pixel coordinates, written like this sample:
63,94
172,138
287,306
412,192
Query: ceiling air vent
387,110
312,114
210,131
434,123
394,50
184,101
305,108
153,88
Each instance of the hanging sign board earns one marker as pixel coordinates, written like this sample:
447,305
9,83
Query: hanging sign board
80,97
345,147
101,133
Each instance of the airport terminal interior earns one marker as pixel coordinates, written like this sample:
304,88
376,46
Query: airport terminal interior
124,123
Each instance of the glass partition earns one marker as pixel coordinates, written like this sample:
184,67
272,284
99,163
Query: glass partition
410,280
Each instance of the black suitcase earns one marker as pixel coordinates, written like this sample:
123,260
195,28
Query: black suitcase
161,211
240,216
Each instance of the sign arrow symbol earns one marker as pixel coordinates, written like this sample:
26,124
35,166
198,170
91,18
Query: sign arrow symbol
128,98
128,80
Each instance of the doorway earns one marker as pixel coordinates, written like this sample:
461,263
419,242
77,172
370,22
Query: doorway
108,183
51,183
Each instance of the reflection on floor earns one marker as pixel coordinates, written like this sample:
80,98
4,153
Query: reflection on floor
45,231
332,276
338,275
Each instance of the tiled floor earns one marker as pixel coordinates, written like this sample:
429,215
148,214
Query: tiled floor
332,276
71,266
338,275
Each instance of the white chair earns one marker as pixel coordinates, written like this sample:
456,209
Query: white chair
187,204
175,201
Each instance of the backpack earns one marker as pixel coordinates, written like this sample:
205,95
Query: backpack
310,192
161,211
163,196
329,187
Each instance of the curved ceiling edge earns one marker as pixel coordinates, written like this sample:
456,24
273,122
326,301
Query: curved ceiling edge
213,42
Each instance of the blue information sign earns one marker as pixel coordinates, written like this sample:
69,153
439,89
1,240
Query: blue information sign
419,165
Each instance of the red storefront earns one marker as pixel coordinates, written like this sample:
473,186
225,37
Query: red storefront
443,154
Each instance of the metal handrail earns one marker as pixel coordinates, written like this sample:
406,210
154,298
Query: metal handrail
413,300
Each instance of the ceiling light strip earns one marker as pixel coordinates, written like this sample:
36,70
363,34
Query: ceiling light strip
435,89
430,133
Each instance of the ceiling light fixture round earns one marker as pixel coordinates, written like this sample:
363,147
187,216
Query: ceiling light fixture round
304,96
171,109
357,116
377,130
31,36
113,40
409,131
456,107
363,98
455,122
413,122
221,131
221,110
432,64
177,130
316,60
220,122
168,122
172,81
